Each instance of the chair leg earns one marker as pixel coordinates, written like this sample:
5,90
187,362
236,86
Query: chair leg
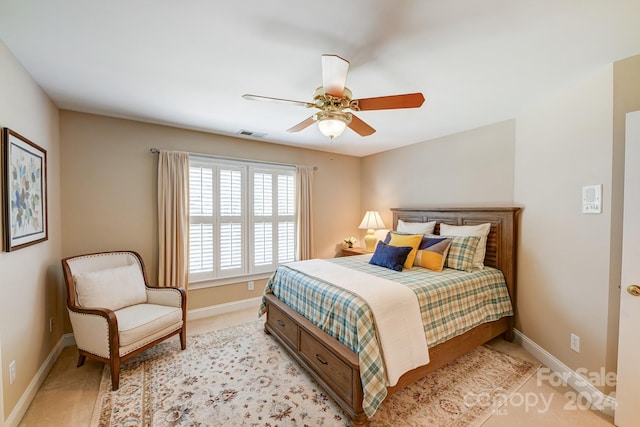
183,338
81,359
115,373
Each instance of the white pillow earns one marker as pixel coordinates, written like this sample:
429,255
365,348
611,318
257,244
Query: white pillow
481,230
112,288
416,227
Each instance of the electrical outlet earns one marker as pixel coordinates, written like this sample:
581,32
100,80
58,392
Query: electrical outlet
12,372
51,325
575,343
250,285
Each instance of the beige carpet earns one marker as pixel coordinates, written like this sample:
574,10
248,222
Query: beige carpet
241,376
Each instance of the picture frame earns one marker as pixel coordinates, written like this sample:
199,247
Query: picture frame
24,175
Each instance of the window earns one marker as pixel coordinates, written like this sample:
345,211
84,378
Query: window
242,218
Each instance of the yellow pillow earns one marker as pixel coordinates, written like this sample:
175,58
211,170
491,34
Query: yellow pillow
412,240
432,253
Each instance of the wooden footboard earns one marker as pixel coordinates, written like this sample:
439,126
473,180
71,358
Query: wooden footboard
336,368
329,362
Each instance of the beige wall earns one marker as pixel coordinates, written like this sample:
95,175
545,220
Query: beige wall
562,144
473,168
30,284
109,188
207,297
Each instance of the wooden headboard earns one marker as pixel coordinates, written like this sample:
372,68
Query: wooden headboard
501,242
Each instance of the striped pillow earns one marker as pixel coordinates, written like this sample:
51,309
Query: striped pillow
461,251
432,253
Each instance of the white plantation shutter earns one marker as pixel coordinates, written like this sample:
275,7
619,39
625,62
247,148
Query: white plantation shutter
263,241
242,218
230,245
273,218
200,191
200,248
201,244
262,194
230,192
286,212
262,220
286,242
286,195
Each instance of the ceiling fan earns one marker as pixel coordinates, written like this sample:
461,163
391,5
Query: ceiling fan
334,102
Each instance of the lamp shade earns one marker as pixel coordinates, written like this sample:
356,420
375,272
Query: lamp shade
371,220
332,127
332,123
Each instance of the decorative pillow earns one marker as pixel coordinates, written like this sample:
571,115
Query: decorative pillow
432,253
112,288
413,240
388,256
416,227
481,231
461,251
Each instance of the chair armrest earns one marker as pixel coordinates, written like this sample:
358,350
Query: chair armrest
173,297
95,330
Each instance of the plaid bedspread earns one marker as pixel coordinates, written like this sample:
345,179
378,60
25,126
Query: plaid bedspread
451,302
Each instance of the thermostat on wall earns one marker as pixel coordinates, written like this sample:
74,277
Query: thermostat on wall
592,199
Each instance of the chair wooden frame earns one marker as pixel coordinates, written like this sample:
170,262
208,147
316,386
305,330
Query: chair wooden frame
155,294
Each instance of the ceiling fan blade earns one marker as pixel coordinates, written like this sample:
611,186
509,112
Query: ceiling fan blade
334,74
409,100
277,100
360,127
302,125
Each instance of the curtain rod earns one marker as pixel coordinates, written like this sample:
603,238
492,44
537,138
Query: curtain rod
154,150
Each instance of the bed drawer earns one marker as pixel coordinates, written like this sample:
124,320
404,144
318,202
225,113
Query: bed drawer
330,367
283,325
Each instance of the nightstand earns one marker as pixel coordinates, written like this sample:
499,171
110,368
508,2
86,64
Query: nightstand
353,251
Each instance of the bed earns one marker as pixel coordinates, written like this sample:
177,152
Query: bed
333,361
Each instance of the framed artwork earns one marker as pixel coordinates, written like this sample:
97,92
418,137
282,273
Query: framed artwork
24,191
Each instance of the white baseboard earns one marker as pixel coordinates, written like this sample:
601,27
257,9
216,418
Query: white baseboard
600,401
68,340
13,420
199,313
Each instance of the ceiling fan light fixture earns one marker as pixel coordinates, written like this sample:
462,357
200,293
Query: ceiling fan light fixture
333,98
332,124
332,127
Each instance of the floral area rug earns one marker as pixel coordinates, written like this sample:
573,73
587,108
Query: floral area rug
241,377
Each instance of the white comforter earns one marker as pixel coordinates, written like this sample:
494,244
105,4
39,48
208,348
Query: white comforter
395,309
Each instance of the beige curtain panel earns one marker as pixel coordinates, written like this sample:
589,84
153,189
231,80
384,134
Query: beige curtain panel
173,218
304,182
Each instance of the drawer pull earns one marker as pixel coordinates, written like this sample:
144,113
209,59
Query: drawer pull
319,359
281,323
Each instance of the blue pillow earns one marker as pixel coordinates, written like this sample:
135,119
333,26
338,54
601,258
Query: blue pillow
388,256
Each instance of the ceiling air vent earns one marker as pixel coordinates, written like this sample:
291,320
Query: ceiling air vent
244,132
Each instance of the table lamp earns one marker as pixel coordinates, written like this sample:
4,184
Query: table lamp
370,222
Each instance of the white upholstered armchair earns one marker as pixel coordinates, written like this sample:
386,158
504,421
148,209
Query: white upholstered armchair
114,312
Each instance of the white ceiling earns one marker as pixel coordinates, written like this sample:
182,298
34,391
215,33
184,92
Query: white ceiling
187,63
